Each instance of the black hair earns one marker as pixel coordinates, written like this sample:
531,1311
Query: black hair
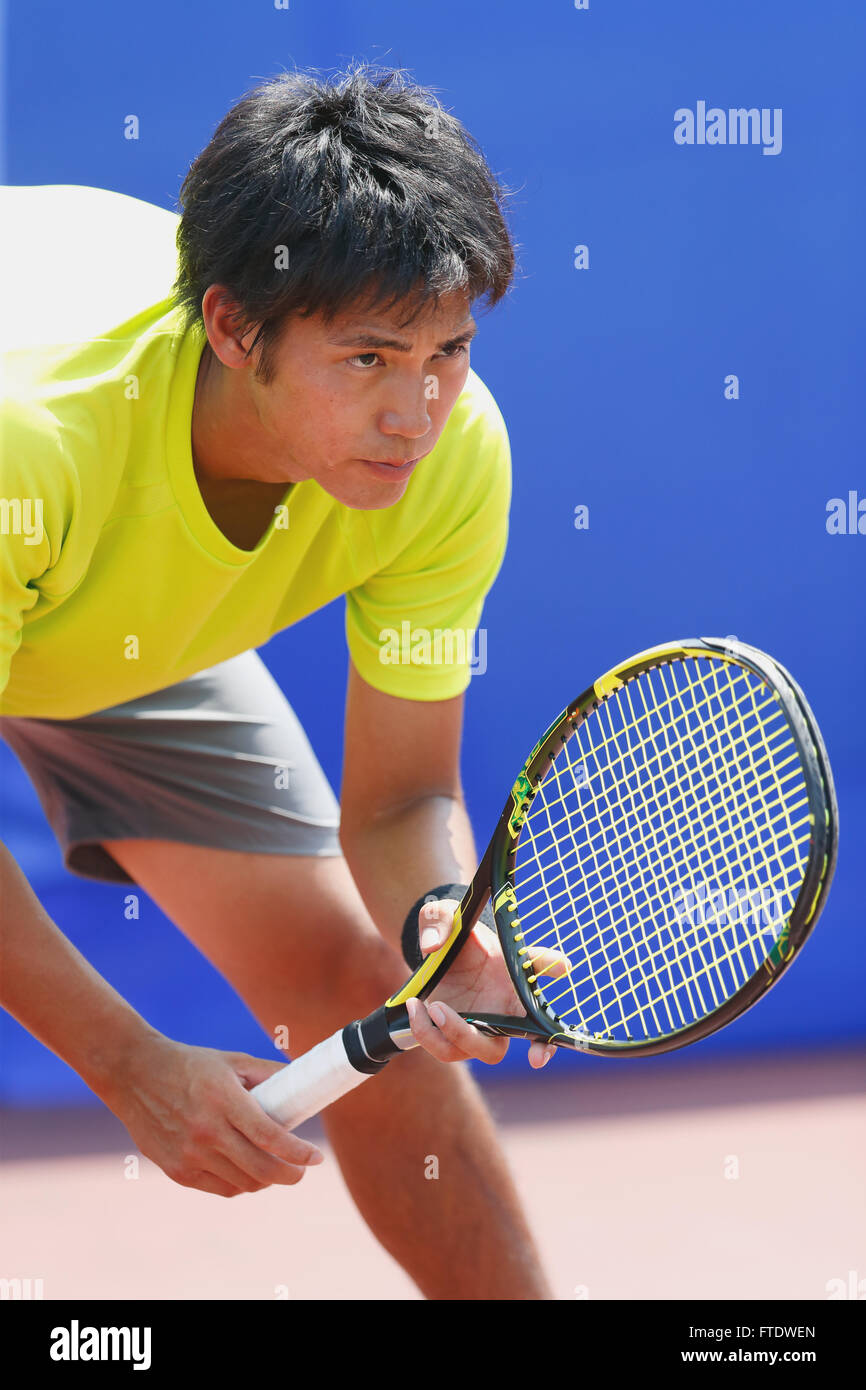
315,195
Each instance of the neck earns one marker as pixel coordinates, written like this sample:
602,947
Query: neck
221,428
205,460
240,504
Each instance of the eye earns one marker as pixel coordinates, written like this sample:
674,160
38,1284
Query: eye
455,350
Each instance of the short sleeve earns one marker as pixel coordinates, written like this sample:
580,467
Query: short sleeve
413,627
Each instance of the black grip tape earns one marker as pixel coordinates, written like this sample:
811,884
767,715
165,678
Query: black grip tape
356,1053
409,938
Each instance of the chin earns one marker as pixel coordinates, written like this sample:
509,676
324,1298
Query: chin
370,499
376,502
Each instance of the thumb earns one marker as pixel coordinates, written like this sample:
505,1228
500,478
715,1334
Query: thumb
434,924
252,1070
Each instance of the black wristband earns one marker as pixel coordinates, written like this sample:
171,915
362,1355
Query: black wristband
409,939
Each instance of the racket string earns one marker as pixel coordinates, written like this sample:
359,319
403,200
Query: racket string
717,812
637,966
566,820
618,762
706,966
696,973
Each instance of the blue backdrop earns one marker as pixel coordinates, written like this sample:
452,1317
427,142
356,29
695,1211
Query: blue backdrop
707,509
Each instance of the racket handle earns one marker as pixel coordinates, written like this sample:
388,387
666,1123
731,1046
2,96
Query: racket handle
306,1086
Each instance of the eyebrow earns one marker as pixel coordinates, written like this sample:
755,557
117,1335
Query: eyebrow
376,340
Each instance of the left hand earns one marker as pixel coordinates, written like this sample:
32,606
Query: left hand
477,982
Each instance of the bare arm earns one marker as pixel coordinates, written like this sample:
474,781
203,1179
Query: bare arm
187,1108
56,994
404,830
403,823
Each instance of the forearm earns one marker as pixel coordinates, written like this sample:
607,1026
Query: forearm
49,987
397,856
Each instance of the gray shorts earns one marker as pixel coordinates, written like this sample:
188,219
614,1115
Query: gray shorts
219,760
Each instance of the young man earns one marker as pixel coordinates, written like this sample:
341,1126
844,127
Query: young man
185,475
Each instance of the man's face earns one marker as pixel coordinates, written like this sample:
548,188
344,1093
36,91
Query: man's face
351,398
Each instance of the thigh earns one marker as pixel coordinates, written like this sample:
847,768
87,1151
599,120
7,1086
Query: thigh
290,933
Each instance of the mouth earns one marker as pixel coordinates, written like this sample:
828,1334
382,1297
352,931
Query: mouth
388,468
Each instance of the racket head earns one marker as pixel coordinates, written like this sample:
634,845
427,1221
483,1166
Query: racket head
716,736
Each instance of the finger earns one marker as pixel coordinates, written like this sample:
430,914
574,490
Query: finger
269,1137
428,1036
551,963
258,1169
434,924
486,937
205,1182
210,1170
259,1127
449,1037
251,1071
216,1146
229,1156
540,1054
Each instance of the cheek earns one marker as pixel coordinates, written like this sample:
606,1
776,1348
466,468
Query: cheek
322,420
450,386
333,408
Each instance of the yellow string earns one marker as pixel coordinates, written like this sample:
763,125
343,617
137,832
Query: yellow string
696,789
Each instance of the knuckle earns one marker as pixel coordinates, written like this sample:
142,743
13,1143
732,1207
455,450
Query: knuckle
263,1137
187,1176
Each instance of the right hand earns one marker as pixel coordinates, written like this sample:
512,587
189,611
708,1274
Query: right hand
477,982
189,1110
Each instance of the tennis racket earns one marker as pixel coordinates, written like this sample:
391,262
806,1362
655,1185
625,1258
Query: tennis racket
672,834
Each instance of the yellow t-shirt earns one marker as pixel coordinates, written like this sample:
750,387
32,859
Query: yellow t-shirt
114,579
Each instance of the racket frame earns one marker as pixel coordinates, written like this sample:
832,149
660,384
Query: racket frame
813,890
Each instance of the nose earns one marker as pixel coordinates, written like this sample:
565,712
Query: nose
407,416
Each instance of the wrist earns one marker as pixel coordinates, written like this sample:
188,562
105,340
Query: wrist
114,1060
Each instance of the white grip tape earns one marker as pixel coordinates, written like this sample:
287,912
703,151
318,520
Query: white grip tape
307,1085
